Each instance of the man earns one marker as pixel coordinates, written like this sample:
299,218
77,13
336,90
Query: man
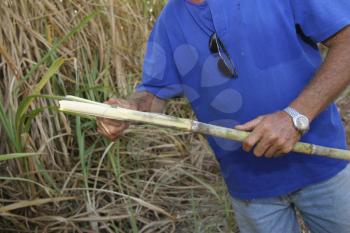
255,65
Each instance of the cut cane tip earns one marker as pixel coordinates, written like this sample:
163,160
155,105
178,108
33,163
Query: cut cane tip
64,105
60,105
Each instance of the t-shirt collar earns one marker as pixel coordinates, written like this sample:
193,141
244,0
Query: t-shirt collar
218,12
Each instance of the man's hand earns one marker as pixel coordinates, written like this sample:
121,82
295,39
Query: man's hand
272,135
112,129
141,101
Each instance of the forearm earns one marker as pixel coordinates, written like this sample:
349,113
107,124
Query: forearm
147,102
330,80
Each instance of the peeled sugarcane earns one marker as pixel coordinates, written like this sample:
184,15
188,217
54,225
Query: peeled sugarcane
84,107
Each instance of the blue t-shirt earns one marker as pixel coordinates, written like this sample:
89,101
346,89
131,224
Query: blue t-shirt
273,44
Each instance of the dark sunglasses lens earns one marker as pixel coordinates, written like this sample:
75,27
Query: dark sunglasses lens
225,64
213,45
225,70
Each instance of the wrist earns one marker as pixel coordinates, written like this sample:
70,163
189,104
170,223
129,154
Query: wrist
139,100
133,104
308,112
300,121
147,102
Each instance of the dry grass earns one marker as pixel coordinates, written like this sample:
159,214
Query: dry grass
70,179
151,180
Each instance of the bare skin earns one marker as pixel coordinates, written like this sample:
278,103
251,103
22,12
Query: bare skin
142,101
274,134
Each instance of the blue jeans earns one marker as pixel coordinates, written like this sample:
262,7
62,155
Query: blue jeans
325,208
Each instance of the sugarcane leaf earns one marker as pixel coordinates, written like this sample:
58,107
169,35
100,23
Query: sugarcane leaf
56,45
24,105
17,156
31,115
8,126
46,174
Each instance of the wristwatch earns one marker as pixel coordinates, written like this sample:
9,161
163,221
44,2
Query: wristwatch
301,122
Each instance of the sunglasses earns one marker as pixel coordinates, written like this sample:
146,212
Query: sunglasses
225,64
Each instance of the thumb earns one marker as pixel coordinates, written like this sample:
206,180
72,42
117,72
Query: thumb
121,103
112,101
250,125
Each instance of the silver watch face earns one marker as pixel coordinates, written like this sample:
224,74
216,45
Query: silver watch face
302,123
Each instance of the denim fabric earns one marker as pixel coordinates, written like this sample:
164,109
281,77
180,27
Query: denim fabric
325,208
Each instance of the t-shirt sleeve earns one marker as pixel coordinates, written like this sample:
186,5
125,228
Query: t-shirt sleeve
160,75
321,19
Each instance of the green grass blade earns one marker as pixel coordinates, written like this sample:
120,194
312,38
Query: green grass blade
49,179
54,48
16,156
114,158
8,127
133,219
24,105
29,117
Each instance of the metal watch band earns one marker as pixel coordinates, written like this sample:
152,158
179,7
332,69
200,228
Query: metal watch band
296,116
292,112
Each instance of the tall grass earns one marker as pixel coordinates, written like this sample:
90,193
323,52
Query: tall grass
56,173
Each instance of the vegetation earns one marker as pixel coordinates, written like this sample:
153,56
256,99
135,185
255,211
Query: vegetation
56,173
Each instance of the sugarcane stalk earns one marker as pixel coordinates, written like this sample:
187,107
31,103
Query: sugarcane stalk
83,107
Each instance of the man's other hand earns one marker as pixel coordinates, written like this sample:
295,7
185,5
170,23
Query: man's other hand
271,135
112,129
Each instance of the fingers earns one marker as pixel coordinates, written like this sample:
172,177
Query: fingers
262,147
250,125
287,148
110,122
108,125
252,140
273,151
255,136
267,145
112,101
106,135
271,135
277,151
112,129
121,103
